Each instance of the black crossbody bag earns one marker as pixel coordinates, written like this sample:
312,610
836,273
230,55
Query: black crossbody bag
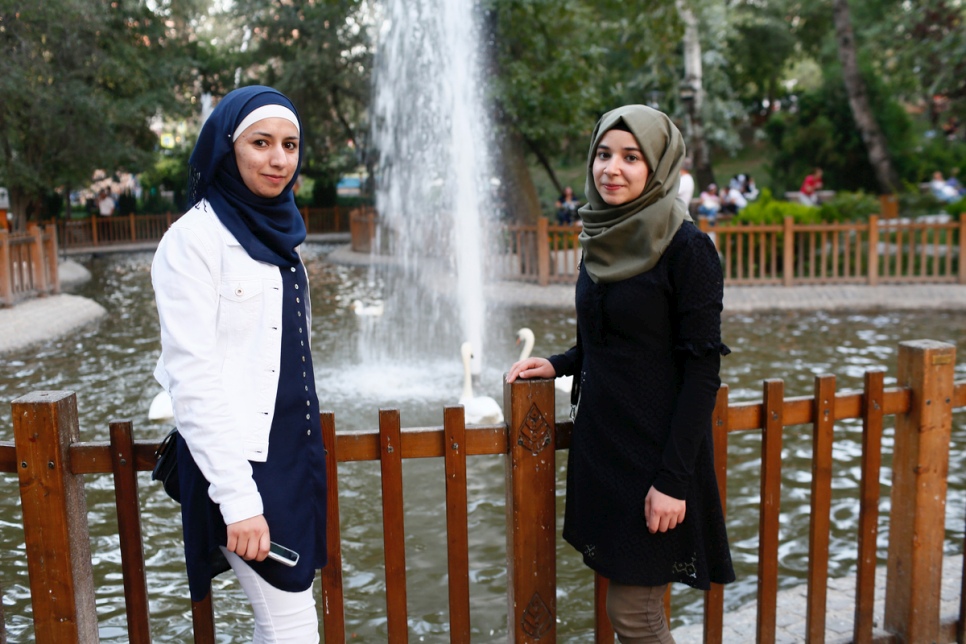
166,465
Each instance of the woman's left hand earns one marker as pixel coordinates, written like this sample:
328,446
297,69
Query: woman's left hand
662,512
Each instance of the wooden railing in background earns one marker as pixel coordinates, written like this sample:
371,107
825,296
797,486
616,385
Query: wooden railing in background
28,263
97,232
873,252
541,253
50,462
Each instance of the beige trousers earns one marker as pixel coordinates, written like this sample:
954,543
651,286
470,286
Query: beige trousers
637,613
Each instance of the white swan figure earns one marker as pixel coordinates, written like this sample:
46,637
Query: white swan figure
563,383
478,410
161,408
373,310
525,335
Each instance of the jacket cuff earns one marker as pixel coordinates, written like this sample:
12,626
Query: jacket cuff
243,508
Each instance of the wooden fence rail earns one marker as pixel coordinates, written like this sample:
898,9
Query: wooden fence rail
95,231
28,264
872,252
51,463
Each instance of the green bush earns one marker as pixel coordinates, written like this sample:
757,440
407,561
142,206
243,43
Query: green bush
957,207
850,206
768,210
915,203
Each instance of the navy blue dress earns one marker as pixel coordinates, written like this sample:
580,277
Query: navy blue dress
649,360
292,481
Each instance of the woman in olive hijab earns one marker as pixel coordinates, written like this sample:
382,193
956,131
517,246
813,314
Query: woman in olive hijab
642,500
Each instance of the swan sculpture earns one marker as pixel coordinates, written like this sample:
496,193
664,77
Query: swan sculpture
525,335
161,408
373,310
477,410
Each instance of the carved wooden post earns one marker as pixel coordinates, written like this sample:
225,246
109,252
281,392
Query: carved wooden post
543,251
6,273
54,518
529,407
920,465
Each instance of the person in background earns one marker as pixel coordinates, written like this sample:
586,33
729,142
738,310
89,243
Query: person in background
642,501
233,302
941,189
745,184
710,202
732,201
686,186
105,203
567,206
810,187
954,182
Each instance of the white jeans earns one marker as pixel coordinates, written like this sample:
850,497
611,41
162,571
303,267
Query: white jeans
281,617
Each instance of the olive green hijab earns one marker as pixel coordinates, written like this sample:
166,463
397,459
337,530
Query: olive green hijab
626,240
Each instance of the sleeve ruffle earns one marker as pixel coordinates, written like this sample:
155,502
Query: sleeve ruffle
702,349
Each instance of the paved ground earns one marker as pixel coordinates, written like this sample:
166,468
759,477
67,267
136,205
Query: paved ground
739,625
740,299
35,321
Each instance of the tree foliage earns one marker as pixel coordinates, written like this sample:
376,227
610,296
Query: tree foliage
79,81
320,55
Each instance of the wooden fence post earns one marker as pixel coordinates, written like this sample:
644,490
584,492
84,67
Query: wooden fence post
94,230
38,265
543,251
788,252
529,406
873,250
54,509
920,465
6,272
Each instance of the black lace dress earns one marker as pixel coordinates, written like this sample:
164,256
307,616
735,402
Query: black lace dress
649,350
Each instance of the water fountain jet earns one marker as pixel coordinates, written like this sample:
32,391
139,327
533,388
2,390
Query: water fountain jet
433,181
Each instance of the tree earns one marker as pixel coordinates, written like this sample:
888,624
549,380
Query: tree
79,82
320,55
869,128
557,65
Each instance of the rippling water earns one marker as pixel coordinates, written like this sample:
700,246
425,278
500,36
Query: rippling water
109,366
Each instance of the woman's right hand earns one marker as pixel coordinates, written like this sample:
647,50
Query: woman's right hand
531,368
249,538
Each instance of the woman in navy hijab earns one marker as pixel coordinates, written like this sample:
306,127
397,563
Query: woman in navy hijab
233,301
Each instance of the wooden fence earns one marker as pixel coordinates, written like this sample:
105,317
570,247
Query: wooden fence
873,252
543,253
28,264
96,232
51,463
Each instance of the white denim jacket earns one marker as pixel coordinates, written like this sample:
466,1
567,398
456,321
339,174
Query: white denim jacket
221,340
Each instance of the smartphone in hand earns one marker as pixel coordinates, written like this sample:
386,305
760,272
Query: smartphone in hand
283,555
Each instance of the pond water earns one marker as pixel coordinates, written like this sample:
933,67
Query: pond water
109,366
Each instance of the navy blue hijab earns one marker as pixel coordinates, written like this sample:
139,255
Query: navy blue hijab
270,229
